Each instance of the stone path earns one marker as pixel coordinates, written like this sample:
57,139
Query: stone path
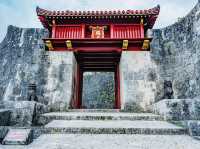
105,141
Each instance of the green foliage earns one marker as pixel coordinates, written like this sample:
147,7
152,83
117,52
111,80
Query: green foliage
100,89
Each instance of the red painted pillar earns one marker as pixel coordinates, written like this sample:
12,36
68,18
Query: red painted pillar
83,31
111,31
79,106
142,31
117,88
53,31
77,85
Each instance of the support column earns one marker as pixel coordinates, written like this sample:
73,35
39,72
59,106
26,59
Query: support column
117,88
79,105
78,85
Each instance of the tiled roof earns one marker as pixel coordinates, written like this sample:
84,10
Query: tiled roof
43,12
123,16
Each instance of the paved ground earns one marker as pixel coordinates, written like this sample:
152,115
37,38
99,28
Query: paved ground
111,124
64,141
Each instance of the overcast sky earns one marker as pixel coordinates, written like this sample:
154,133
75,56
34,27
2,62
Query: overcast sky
22,12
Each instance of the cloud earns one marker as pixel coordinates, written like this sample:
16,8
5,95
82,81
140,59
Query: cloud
22,12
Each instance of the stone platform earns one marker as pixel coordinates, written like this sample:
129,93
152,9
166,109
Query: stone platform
113,127
95,115
109,141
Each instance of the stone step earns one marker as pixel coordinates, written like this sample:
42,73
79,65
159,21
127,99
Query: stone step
47,117
93,110
113,127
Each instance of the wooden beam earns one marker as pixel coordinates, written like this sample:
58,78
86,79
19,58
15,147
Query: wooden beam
97,70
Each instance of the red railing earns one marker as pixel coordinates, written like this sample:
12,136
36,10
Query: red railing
130,31
127,31
69,32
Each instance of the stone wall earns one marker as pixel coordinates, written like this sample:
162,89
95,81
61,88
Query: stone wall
58,89
176,52
138,76
24,61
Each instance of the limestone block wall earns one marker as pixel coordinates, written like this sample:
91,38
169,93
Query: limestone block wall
59,80
176,52
170,70
23,60
138,75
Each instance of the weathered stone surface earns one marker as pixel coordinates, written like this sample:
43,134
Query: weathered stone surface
47,117
5,116
138,75
3,132
193,127
21,61
25,113
24,60
18,137
113,127
170,70
58,88
105,141
178,109
175,50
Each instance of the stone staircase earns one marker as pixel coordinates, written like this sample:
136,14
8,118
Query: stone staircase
108,122
97,129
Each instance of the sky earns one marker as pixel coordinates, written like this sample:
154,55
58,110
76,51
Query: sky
22,13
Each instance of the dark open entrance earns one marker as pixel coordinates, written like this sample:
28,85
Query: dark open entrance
95,62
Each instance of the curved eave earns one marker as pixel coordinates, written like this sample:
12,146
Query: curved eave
149,15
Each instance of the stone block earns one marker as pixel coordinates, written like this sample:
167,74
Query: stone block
25,113
18,137
4,117
133,107
178,109
193,128
22,114
3,132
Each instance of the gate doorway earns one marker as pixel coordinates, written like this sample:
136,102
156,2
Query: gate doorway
99,62
98,90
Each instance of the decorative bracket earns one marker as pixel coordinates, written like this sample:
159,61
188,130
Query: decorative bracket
125,45
146,45
69,44
53,22
49,45
141,21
